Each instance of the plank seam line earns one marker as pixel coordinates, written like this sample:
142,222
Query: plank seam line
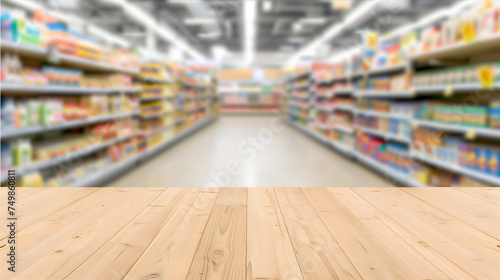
453,216
331,234
288,232
25,226
203,233
126,224
410,231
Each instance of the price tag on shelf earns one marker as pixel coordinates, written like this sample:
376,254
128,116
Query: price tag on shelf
486,77
53,55
470,134
468,31
448,92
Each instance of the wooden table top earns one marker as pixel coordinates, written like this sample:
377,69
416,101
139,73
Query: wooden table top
255,233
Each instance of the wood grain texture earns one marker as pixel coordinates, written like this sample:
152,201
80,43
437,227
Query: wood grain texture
114,259
472,250
256,233
269,250
318,253
221,253
170,254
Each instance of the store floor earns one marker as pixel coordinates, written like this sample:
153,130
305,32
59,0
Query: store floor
222,154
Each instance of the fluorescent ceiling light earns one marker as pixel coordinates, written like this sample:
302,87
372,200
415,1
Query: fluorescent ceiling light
209,35
313,20
267,6
199,21
297,27
336,29
250,18
163,31
219,52
429,19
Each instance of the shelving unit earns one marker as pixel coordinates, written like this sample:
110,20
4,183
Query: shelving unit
182,124
249,96
470,133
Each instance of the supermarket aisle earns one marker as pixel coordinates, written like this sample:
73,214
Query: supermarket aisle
229,153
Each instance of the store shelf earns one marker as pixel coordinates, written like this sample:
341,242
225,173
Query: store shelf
188,84
382,115
250,105
299,96
385,135
156,130
322,126
309,132
158,114
9,133
299,76
109,172
152,98
385,94
71,90
196,109
344,129
449,90
64,59
203,96
387,69
305,107
298,116
468,131
350,109
24,49
323,108
75,155
156,80
460,50
490,179
382,168
298,87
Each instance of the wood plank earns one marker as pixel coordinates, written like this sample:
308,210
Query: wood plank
318,253
118,255
469,248
269,249
221,253
87,238
405,242
491,195
59,226
35,207
470,210
170,254
21,193
374,255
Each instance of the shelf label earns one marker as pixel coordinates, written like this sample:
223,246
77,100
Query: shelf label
468,31
53,55
448,92
486,77
470,134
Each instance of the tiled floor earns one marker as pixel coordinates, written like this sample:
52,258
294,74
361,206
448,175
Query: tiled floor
222,154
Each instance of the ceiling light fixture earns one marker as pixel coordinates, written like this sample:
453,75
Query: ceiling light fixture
267,6
200,21
163,31
336,29
250,19
313,20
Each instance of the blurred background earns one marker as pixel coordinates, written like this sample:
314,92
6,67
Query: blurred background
347,93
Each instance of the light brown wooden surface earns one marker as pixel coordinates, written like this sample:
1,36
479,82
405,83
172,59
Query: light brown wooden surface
256,233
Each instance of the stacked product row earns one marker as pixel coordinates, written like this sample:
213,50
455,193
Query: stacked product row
93,115
420,122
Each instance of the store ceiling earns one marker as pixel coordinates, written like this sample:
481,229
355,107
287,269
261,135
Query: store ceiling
281,30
